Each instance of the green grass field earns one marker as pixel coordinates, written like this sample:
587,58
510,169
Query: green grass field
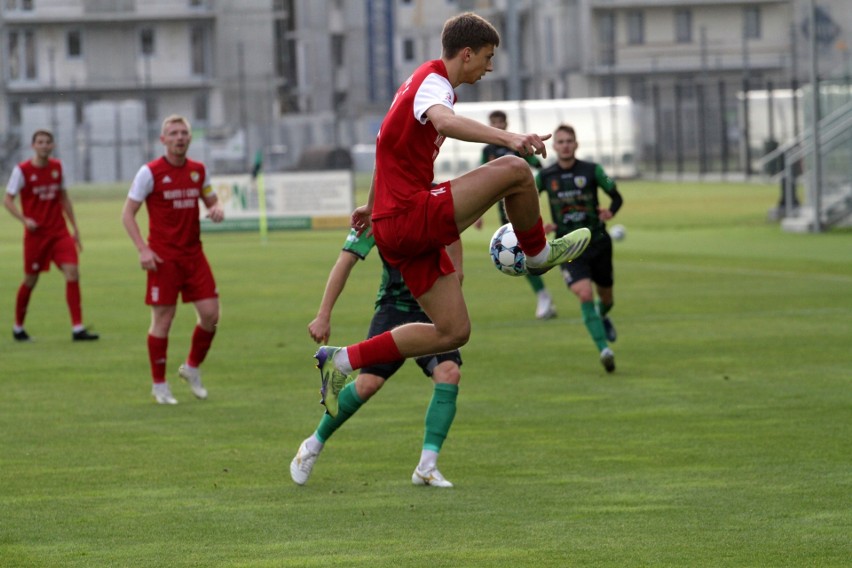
723,439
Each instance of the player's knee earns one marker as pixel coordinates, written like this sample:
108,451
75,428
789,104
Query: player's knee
447,373
516,168
457,336
209,318
366,385
71,272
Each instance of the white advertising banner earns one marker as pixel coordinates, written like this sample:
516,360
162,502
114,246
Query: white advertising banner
293,200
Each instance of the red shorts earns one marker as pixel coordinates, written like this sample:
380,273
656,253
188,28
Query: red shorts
414,242
40,251
191,277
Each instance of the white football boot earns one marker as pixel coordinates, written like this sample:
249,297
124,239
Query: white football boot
431,477
544,307
192,376
303,464
163,394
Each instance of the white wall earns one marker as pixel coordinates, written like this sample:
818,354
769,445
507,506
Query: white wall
604,126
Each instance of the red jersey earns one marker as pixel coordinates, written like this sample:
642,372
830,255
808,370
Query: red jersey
407,143
40,189
171,194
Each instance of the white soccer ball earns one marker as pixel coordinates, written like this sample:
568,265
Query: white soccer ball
506,252
617,232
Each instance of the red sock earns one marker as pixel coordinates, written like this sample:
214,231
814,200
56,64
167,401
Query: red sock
201,340
157,348
72,297
532,240
374,351
21,303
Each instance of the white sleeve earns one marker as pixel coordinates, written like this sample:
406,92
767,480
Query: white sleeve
207,187
143,185
434,90
16,181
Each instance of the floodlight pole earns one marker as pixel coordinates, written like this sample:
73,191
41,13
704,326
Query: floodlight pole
817,160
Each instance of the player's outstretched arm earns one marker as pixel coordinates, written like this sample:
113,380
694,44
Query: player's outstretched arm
451,125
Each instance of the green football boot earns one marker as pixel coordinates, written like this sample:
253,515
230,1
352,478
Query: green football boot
333,380
564,249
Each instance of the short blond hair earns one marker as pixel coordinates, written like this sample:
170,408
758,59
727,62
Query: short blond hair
175,118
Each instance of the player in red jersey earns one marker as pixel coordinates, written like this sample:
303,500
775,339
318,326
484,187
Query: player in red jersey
45,213
170,187
413,221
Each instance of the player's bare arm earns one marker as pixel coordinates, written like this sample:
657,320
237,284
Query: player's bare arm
214,211
451,125
68,209
320,328
9,203
148,259
362,216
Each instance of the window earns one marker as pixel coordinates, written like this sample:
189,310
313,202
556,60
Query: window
338,49
606,33
408,50
14,5
198,50
151,113
638,89
687,89
548,42
751,22
285,43
607,86
146,41
22,55
14,113
683,26
74,44
635,27
13,66
200,107
290,15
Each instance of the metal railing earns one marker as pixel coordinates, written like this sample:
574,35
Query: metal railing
835,147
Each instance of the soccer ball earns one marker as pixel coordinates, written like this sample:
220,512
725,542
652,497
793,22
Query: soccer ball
506,252
617,232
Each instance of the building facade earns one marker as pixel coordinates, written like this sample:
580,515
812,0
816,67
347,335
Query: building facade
287,75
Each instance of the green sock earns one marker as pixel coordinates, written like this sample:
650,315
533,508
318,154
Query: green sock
594,324
603,309
348,404
440,415
536,282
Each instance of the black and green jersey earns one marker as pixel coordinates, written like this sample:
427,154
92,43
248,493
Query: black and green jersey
573,196
392,290
492,152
